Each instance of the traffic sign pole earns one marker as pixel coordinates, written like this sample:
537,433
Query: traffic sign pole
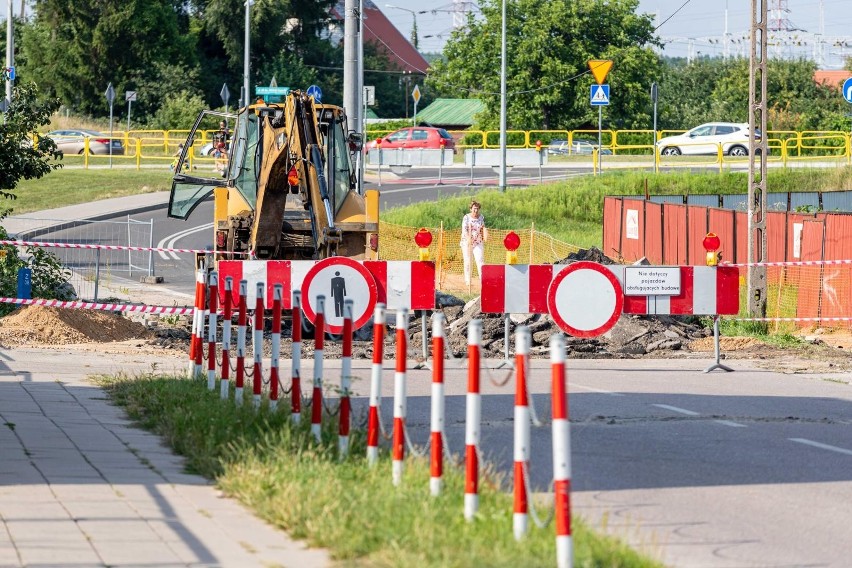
110,97
847,94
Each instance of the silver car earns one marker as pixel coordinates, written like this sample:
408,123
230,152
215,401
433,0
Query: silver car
73,141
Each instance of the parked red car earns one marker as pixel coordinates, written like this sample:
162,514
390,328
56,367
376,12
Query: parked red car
415,137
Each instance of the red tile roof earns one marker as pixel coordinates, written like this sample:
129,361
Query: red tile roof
379,31
831,78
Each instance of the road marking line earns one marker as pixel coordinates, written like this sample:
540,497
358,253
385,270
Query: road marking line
575,385
821,446
731,423
676,409
169,241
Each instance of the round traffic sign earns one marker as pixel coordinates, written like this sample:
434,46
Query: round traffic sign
315,92
585,299
339,278
847,90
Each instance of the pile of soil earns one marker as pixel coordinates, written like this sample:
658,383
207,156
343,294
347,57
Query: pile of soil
37,326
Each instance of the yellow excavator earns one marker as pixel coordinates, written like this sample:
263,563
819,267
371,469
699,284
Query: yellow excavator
288,191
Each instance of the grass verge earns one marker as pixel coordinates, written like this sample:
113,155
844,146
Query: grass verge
353,510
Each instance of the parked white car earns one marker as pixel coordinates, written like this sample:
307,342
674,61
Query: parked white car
705,139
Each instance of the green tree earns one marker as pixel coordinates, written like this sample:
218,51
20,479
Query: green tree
178,111
549,45
23,159
76,47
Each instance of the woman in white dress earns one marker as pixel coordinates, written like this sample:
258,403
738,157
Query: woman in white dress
473,237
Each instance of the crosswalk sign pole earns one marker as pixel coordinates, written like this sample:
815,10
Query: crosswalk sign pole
600,128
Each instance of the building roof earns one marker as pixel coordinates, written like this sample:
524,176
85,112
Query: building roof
452,112
831,78
380,31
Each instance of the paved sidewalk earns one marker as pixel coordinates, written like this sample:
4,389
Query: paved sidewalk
79,486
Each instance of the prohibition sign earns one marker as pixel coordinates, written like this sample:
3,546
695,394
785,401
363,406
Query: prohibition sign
585,299
339,278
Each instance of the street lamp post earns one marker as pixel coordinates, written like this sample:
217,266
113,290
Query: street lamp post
10,48
414,17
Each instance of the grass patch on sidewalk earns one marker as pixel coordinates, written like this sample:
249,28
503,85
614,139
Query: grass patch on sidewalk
72,186
277,470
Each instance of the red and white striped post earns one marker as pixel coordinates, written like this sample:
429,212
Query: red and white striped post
296,368
212,326
199,336
257,346
436,463
345,380
319,338
473,415
520,519
197,314
561,453
242,319
277,293
399,393
376,384
227,314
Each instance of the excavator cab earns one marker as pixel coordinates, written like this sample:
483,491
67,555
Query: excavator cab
289,191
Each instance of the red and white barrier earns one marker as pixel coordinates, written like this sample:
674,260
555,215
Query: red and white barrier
705,290
212,328
409,284
436,466
319,339
399,394
296,365
102,247
225,384
242,320
473,418
345,381
257,347
376,384
274,380
520,519
561,453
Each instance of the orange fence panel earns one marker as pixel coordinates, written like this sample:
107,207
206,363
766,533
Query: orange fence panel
654,232
674,233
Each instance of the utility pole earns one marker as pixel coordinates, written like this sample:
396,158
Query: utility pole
246,64
10,48
351,80
757,249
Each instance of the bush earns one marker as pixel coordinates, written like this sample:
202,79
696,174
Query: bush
177,112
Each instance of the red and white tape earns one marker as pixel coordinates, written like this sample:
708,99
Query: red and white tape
136,308
794,263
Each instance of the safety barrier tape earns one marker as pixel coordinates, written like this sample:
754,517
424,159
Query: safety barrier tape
103,247
794,319
792,263
136,308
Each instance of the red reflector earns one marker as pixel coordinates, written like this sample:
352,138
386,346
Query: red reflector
374,241
102,140
221,236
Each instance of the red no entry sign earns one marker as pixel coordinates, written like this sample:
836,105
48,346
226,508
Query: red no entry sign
339,279
585,299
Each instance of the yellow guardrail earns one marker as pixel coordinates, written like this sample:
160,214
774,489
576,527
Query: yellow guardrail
634,148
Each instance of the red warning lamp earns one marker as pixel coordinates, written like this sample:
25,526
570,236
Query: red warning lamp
293,177
423,238
711,244
512,241
379,142
538,145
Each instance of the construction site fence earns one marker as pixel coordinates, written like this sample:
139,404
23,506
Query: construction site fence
397,243
808,267
629,148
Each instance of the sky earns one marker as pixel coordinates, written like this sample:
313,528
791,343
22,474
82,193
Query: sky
699,19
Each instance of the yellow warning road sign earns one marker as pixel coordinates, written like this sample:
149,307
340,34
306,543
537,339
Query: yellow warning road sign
600,69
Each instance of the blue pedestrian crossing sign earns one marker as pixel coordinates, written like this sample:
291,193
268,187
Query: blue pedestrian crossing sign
599,95
847,90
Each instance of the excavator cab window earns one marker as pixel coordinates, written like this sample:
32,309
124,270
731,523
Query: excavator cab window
339,164
189,189
244,158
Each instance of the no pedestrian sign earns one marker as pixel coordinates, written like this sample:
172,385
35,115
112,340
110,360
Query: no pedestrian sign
339,279
585,299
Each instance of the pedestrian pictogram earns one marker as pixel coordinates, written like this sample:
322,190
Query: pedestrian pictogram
339,279
585,299
599,95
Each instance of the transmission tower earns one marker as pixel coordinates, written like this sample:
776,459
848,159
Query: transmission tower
779,20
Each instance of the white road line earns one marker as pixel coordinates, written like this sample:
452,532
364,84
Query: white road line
821,446
676,409
170,240
575,385
731,423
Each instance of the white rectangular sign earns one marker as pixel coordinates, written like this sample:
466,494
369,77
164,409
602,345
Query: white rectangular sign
631,221
651,280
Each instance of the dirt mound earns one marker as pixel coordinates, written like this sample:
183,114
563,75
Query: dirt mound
38,325
725,343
